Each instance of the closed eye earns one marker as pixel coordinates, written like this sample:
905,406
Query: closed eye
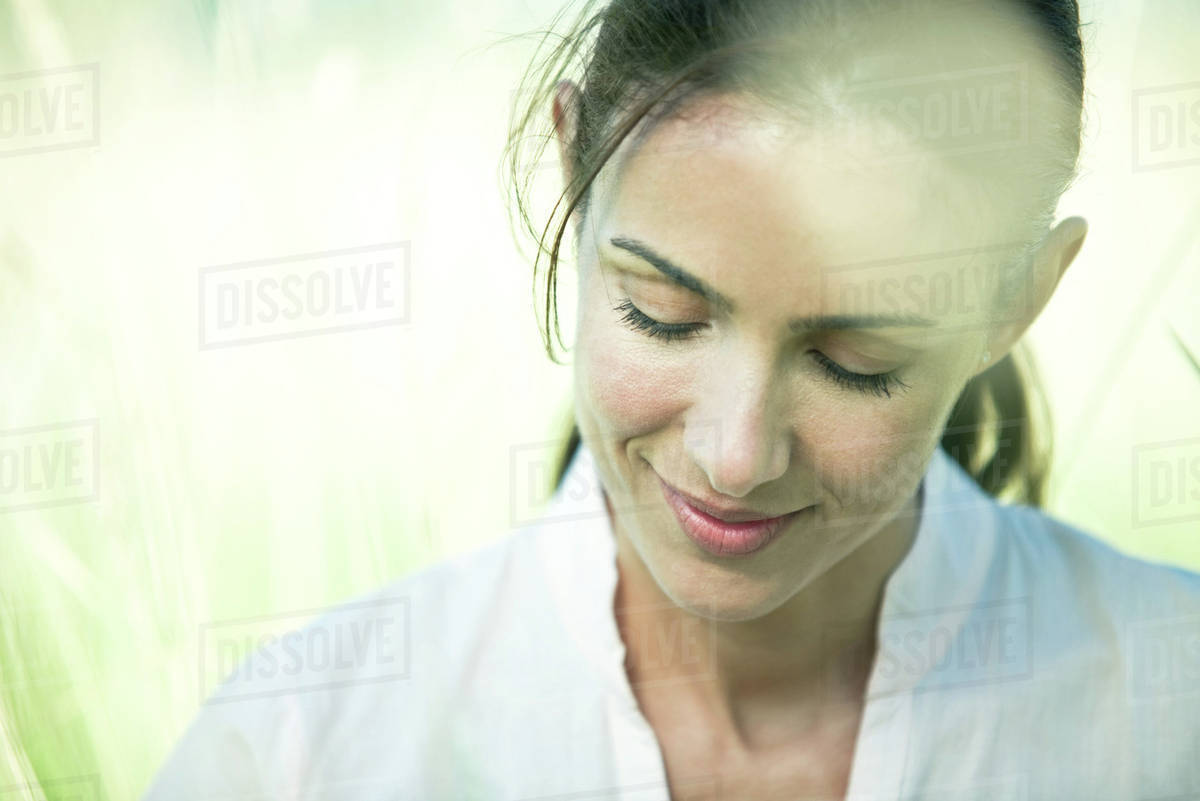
638,320
879,384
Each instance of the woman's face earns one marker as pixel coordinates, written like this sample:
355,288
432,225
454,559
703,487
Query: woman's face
771,322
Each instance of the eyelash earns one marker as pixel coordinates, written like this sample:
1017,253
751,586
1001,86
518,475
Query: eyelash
879,384
638,320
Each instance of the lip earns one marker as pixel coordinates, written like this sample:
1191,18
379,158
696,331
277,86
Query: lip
725,535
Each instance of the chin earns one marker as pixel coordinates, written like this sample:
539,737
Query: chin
711,592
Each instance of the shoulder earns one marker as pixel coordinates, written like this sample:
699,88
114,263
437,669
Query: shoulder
1022,550
1080,663
1102,617
1114,645
1056,553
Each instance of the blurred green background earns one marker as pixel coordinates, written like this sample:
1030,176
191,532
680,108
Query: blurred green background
290,475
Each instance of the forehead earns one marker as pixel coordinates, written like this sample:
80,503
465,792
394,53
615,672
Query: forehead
742,173
741,195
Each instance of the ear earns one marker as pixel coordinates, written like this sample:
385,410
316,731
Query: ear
1050,261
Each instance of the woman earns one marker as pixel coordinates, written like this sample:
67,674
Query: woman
809,237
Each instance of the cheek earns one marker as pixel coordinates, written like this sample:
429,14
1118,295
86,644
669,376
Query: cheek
629,387
870,454
629,384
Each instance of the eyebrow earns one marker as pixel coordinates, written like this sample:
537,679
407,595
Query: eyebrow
820,322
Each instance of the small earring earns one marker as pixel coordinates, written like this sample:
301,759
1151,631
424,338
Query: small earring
987,356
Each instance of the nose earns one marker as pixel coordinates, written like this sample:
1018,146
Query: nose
737,430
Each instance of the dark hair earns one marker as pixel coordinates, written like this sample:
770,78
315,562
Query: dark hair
638,60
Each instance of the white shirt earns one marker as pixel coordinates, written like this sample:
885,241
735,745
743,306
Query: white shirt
1072,672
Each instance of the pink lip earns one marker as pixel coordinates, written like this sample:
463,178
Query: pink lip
721,537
